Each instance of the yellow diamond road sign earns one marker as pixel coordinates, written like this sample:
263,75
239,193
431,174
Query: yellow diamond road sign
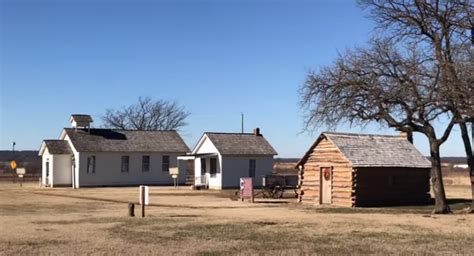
13,164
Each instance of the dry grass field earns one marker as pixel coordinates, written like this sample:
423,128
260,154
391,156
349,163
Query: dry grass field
93,221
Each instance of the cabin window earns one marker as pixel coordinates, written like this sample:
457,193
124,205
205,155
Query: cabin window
145,163
213,167
165,164
203,166
90,164
252,167
125,163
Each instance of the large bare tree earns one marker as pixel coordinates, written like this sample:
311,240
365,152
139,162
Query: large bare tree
446,30
147,114
382,84
408,78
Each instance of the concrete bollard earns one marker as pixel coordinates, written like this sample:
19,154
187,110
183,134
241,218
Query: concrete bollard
131,210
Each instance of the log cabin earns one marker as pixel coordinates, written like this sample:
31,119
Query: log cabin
353,170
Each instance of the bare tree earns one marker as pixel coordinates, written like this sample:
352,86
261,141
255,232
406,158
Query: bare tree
147,115
417,71
446,30
382,84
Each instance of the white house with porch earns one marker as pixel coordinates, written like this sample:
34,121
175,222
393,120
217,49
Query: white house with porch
84,156
221,159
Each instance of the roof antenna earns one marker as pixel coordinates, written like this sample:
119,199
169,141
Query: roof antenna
242,121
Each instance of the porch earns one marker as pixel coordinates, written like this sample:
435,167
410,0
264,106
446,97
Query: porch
206,172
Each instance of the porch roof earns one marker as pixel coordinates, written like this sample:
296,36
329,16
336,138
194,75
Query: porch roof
56,147
193,156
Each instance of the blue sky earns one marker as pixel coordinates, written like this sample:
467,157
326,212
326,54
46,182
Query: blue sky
217,58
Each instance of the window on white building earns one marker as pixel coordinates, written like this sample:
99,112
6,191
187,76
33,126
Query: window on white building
125,163
91,164
165,164
145,163
252,167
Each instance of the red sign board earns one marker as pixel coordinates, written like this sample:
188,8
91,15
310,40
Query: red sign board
246,188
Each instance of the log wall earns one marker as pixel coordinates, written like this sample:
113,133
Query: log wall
326,154
391,186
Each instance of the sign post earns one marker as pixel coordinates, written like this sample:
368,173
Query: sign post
144,198
13,164
174,172
21,172
246,189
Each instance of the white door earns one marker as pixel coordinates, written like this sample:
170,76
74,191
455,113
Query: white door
326,185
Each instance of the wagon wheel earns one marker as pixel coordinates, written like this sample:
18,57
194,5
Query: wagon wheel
278,192
267,192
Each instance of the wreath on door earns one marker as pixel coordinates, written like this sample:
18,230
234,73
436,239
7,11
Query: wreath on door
327,174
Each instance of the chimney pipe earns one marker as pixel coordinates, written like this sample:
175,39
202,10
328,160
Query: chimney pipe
407,135
256,132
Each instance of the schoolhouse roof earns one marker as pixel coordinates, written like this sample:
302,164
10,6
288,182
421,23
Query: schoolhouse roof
240,143
369,150
115,140
56,147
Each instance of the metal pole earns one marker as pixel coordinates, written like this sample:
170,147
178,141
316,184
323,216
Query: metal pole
242,122
13,147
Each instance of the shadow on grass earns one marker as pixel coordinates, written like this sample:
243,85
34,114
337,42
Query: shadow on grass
456,205
263,201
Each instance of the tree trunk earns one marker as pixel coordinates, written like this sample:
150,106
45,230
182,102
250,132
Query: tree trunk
470,158
441,205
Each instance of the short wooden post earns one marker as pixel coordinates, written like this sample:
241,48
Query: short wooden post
131,210
143,201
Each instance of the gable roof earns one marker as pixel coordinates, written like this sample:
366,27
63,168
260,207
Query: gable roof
56,147
112,140
239,144
368,150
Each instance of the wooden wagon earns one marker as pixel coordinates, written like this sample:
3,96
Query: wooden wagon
274,185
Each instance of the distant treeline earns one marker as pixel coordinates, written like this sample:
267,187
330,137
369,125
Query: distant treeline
28,159
19,156
448,160
286,160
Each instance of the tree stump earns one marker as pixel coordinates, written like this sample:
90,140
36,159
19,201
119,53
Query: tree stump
131,210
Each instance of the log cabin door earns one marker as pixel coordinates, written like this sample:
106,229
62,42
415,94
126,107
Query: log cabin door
326,185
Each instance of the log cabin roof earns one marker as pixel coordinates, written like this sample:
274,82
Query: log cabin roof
368,150
240,143
116,140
